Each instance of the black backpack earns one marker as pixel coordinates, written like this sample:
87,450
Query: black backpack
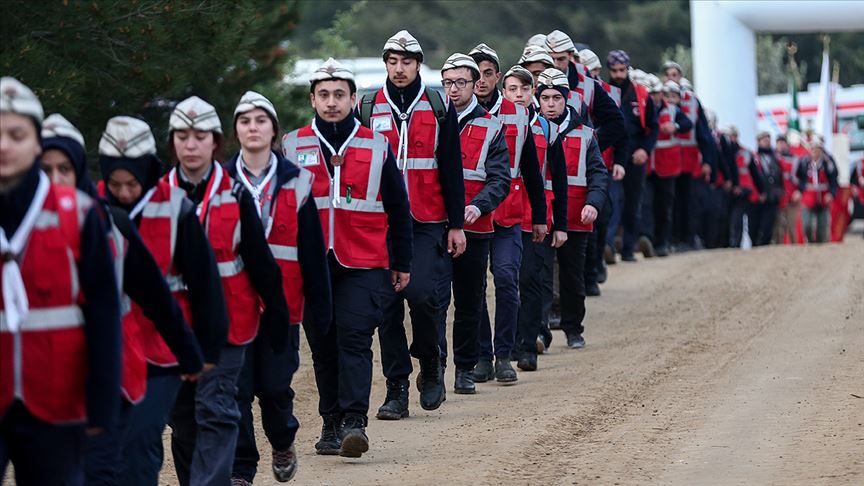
435,101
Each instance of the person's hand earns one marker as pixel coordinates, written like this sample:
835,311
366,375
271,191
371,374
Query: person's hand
539,232
796,196
191,377
640,156
94,431
456,242
618,172
706,171
589,214
212,366
727,186
736,190
399,280
668,128
471,214
559,238
763,198
828,198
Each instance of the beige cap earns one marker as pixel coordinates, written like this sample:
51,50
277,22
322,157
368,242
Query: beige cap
589,59
557,41
671,87
686,85
459,60
672,64
252,100
331,69
56,125
17,98
483,49
653,83
195,113
127,137
553,77
537,40
536,54
403,41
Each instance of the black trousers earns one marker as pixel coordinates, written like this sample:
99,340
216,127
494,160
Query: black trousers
597,241
681,219
469,291
738,207
571,259
664,200
422,296
634,182
342,358
760,222
536,258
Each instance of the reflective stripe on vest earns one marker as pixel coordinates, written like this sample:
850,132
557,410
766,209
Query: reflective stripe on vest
48,319
282,252
493,127
584,135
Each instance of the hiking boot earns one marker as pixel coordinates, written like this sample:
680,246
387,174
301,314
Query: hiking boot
240,482
592,289
544,339
354,439
662,251
609,255
575,341
284,464
646,247
329,443
464,383
528,362
602,273
484,371
396,402
504,372
628,257
430,383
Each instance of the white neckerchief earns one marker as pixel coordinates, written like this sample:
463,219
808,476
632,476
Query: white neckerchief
497,106
255,189
143,202
15,302
536,117
468,109
402,152
214,183
566,122
337,169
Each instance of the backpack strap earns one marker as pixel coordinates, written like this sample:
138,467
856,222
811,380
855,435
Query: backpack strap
367,102
437,104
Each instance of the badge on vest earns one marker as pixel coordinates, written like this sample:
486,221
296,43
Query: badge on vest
308,158
382,124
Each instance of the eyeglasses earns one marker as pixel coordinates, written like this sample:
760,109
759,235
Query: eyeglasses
460,83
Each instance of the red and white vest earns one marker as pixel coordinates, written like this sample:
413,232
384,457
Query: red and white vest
421,168
475,138
745,179
690,157
516,131
542,145
790,184
585,88
816,187
354,220
575,145
666,158
219,213
44,362
614,92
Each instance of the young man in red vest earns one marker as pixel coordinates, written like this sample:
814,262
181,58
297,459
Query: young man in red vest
486,168
364,212
283,202
140,281
538,254
587,179
423,132
60,362
787,215
770,183
817,187
506,248
744,192
172,232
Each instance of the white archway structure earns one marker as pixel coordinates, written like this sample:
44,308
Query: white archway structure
724,47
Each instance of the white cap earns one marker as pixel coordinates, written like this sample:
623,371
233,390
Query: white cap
671,87
653,83
672,64
537,40
56,125
557,41
484,49
331,69
553,77
195,113
17,98
127,137
589,59
536,54
403,41
519,69
459,60
686,85
252,100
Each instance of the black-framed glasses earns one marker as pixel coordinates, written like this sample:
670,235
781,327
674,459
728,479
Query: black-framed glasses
460,83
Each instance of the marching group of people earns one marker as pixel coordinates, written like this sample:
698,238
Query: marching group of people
150,299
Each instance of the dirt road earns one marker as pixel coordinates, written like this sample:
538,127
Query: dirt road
722,367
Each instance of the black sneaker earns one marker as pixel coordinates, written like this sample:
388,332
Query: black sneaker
395,405
592,289
430,383
484,371
646,247
528,362
628,257
662,251
329,443
285,464
504,372
464,383
575,341
609,255
602,273
354,439
545,337
240,482
554,318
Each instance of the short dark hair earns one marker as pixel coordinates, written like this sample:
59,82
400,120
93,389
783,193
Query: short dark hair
780,138
352,86
410,55
482,56
523,77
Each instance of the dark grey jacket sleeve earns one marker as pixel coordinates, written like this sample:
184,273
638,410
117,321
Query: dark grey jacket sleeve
497,176
598,176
